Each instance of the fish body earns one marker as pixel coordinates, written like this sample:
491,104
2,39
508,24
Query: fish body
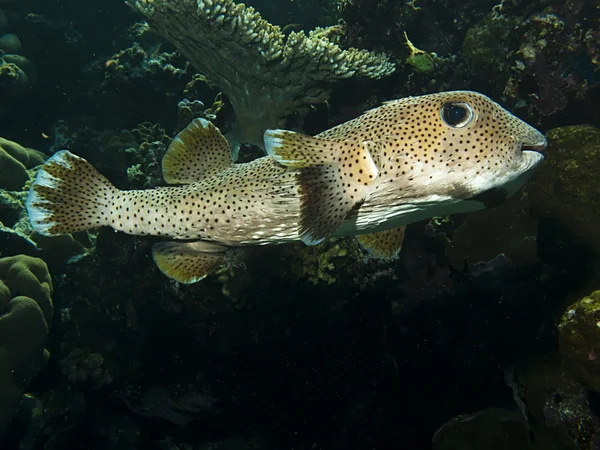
407,160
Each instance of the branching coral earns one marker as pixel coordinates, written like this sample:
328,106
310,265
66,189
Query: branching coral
266,75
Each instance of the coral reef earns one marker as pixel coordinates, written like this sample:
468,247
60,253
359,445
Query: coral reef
565,187
579,339
555,63
538,55
266,75
561,411
25,315
381,24
17,73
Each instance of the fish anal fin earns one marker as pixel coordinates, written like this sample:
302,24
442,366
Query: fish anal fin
383,244
198,151
187,262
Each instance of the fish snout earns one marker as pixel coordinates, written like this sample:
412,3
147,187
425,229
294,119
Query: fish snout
534,141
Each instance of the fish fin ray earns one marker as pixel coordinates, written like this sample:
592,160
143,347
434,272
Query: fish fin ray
69,195
198,151
187,262
383,244
297,150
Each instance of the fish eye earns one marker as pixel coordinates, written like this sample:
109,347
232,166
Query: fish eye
456,115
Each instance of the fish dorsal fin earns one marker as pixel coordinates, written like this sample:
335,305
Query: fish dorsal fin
198,151
187,262
334,178
383,244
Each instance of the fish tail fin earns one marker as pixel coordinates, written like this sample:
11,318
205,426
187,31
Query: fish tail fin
334,178
69,195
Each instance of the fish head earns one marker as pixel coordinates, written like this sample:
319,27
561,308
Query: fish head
464,146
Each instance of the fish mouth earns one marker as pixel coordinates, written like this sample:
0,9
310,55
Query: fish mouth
531,159
539,144
531,151
496,196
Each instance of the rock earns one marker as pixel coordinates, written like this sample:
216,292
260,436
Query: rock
490,429
566,186
579,340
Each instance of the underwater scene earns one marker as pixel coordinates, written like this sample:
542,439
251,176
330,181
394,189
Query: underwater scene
300,224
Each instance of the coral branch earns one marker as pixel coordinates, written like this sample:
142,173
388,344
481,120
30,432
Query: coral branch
266,75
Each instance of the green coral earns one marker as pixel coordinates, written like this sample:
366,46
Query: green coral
14,162
25,314
565,187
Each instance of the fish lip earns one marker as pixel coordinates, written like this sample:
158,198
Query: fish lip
540,144
532,158
534,147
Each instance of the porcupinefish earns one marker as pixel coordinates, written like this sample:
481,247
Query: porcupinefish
407,160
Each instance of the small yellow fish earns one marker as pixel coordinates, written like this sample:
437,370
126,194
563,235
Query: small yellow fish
407,160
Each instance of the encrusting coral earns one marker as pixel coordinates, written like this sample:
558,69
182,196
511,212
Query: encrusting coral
25,314
266,75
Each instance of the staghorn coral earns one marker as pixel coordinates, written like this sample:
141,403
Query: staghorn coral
25,314
266,75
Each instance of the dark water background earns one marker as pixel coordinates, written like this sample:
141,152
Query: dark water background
317,348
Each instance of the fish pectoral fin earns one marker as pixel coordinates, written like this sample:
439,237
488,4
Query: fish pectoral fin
324,202
334,178
187,262
198,151
383,244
